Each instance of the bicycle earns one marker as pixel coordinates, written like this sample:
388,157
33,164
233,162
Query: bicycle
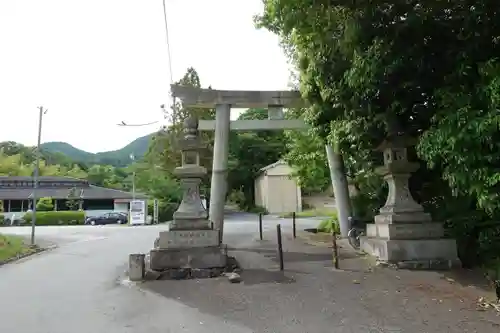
356,232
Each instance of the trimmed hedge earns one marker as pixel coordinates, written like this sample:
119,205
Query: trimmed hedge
57,218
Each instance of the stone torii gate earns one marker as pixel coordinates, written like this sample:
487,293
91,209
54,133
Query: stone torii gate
402,233
223,101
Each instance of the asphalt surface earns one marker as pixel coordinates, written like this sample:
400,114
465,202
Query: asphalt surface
80,285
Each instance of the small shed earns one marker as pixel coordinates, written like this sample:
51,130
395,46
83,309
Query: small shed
276,190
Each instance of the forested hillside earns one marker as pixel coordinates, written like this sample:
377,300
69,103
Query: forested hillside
117,158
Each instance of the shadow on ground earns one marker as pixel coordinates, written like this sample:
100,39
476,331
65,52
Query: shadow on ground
310,296
291,257
259,276
470,278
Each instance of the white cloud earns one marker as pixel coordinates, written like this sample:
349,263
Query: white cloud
94,63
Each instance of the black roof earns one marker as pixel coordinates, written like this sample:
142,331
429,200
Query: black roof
21,188
42,178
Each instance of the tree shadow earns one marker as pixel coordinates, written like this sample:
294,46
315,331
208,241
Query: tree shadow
290,256
469,278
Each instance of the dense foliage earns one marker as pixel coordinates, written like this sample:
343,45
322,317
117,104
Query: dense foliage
428,69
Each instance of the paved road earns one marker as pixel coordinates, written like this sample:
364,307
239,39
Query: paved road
79,287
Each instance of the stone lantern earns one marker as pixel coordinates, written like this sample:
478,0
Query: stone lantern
191,213
190,247
403,233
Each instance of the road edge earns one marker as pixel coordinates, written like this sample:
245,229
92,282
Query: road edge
24,256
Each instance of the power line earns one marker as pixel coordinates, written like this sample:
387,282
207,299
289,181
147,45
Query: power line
167,39
137,125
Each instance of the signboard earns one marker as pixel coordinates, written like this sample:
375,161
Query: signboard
155,211
137,212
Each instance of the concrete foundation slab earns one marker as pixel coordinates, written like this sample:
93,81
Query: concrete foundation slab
198,258
412,250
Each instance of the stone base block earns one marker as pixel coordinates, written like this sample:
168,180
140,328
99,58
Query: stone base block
197,257
421,253
187,239
189,224
405,231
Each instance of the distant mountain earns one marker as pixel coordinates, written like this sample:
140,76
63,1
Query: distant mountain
28,154
119,158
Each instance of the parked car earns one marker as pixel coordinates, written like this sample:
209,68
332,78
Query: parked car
108,218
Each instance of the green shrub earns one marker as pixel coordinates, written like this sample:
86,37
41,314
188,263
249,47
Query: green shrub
44,205
2,219
258,210
165,210
56,218
315,212
329,225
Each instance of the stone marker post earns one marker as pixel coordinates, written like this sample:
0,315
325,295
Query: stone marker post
190,244
403,233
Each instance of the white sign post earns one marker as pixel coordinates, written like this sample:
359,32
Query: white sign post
137,212
155,211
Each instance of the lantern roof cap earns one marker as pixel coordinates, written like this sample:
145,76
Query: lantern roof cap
396,142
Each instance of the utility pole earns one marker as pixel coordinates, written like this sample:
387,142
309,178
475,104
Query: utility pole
36,172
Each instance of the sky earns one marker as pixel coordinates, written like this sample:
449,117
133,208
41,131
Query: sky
95,63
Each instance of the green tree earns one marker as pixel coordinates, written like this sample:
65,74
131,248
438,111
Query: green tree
305,152
163,150
429,69
44,204
73,199
154,173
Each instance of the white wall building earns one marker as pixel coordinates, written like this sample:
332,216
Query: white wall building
276,190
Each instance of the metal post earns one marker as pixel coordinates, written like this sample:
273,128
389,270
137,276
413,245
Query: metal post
280,247
335,250
133,185
294,226
260,226
36,172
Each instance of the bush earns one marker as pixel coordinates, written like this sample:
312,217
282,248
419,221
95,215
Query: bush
56,218
329,225
258,210
165,210
2,219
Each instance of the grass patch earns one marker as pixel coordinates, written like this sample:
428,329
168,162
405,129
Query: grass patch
12,247
313,213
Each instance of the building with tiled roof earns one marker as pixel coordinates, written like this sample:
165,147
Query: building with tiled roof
16,193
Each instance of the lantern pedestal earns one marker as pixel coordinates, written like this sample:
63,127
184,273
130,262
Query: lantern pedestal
403,233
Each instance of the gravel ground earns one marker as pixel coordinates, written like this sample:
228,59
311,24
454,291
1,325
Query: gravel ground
311,296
